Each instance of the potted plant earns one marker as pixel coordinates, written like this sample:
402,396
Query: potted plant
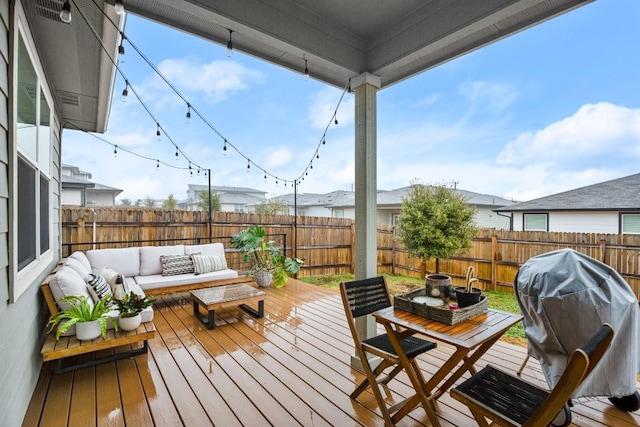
435,222
130,307
468,295
90,321
268,263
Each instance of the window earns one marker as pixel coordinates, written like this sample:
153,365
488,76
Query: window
338,213
395,219
33,139
535,222
630,223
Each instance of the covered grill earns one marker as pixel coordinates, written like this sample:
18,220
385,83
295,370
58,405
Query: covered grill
564,297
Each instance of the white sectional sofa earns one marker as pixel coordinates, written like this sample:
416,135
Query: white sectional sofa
142,265
145,269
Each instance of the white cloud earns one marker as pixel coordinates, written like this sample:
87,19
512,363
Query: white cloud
426,101
215,80
595,130
491,96
323,105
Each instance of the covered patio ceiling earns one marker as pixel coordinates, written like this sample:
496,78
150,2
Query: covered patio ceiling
339,39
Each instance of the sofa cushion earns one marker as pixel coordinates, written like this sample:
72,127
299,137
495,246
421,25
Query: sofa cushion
68,282
157,281
98,287
208,263
79,268
150,258
176,264
206,249
125,261
82,258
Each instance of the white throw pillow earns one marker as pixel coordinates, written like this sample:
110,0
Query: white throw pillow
68,282
207,263
82,258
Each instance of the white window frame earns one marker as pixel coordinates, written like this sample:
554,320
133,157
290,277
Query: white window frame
525,227
634,215
21,280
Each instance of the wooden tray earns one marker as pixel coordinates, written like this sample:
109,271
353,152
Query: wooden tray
439,313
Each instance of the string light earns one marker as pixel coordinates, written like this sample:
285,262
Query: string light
121,50
177,154
188,115
158,165
115,151
248,165
229,45
317,155
158,134
306,70
336,121
119,7
65,13
125,91
224,148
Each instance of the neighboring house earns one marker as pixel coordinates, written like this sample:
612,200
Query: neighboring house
609,207
232,199
390,202
78,190
312,204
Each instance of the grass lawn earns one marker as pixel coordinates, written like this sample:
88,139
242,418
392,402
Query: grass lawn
504,301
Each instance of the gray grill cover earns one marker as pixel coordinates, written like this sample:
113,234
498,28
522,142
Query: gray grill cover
565,296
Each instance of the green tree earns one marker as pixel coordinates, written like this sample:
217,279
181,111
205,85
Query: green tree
170,202
125,202
203,203
272,207
149,202
435,222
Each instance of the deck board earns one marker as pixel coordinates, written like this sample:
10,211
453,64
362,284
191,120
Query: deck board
286,369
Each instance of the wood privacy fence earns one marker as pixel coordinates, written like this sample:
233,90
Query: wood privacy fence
328,244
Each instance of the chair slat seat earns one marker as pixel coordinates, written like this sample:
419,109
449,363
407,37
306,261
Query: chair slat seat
513,398
412,346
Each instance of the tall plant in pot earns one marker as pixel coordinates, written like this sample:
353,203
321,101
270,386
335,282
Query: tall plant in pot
90,319
268,264
435,222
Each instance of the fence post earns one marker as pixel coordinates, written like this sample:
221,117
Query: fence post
494,262
603,250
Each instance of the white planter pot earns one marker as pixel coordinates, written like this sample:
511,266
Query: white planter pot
130,323
86,331
263,278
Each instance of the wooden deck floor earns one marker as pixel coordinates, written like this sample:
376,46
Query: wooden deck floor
289,368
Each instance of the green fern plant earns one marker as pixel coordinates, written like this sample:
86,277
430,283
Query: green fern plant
82,311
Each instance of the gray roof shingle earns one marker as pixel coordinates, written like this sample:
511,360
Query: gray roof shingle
617,194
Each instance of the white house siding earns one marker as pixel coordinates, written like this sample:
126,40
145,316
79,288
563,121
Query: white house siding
576,222
486,218
23,321
72,196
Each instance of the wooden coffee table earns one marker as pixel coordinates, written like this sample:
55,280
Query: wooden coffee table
217,297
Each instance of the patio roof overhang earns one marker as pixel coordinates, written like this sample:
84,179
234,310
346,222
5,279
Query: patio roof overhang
340,39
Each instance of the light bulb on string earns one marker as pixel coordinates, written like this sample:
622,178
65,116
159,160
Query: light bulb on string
336,120
311,166
205,174
306,70
317,156
188,115
229,46
198,172
121,51
119,7
125,91
177,154
265,177
324,141
65,13
115,151
157,165
277,183
248,165
158,134
224,148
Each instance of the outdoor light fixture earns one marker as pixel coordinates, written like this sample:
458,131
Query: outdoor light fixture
158,134
306,70
121,49
115,151
336,120
224,148
188,116
119,7
177,154
229,46
125,93
65,13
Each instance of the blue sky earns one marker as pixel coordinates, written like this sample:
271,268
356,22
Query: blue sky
552,108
